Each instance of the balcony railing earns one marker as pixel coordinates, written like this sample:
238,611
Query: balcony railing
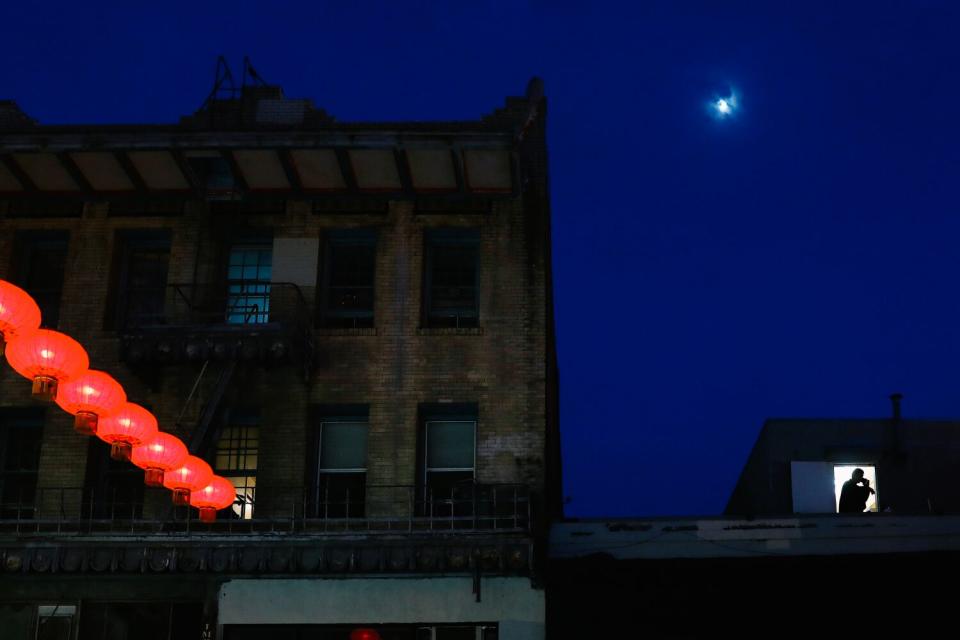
241,304
381,509
236,319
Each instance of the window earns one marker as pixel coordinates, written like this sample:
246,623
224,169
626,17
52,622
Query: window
448,459
236,459
248,283
450,453
451,278
21,431
114,488
211,170
861,484
41,265
143,260
341,470
348,275
55,621
141,620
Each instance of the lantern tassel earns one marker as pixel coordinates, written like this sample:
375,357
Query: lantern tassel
85,423
153,477
44,388
121,451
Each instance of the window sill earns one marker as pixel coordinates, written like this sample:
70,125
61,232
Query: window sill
345,331
450,331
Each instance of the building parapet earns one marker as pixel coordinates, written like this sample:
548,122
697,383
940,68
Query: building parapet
660,539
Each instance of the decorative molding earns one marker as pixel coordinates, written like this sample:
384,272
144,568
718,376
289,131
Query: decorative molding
506,557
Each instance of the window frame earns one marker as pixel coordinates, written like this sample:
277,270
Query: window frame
242,419
446,237
104,474
27,419
259,317
126,244
318,507
342,238
441,412
27,242
427,469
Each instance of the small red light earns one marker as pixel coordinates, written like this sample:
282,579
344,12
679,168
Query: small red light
364,634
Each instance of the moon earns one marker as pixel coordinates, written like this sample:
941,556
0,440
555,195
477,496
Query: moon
724,107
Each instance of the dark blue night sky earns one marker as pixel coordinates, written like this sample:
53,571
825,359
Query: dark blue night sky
798,259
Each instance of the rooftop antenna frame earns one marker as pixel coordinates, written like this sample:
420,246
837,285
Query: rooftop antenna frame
224,85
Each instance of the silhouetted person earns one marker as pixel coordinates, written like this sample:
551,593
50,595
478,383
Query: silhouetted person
856,490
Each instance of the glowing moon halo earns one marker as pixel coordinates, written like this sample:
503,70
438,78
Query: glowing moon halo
724,107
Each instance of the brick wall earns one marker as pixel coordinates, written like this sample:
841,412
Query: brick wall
503,366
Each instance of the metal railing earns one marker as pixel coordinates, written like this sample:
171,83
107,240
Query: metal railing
233,303
380,509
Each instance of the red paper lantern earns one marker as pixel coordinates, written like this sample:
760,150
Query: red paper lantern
161,453
194,474
126,427
18,312
46,357
218,494
364,634
89,395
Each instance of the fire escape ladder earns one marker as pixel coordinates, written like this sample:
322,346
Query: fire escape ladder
200,439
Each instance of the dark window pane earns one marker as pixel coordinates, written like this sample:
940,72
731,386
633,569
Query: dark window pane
349,279
341,495
186,620
20,437
139,621
213,172
55,628
43,260
452,278
456,633
343,446
450,444
17,620
114,488
143,277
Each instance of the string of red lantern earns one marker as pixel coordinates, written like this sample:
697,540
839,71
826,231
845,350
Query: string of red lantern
59,368
89,396
158,455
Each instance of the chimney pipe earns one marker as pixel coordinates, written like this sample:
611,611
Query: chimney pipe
895,399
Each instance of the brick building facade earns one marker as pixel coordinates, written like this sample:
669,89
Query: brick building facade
353,322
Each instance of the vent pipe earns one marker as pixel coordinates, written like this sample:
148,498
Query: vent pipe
895,399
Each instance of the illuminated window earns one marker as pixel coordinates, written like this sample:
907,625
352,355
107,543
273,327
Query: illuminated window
236,460
248,283
844,473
